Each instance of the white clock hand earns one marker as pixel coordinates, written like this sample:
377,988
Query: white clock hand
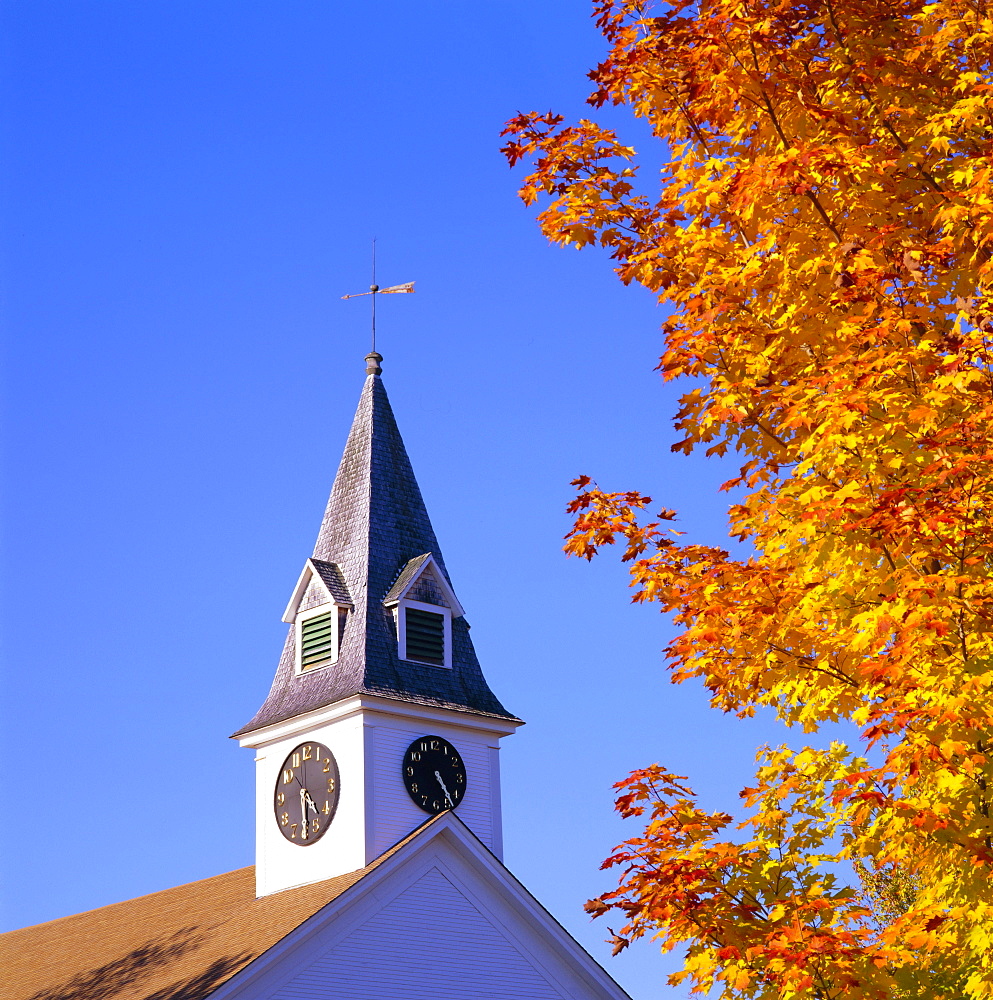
444,788
303,813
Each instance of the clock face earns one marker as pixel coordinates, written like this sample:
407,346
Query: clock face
434,773
306,794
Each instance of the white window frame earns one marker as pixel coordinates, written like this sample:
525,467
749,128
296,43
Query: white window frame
401,622
304,616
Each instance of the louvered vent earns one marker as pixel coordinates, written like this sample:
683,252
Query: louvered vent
318,639
425,633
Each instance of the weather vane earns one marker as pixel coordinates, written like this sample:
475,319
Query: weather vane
375,290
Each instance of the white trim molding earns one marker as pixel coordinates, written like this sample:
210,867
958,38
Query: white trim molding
302,725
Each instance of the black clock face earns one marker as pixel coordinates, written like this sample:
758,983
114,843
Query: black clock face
306,794
434,773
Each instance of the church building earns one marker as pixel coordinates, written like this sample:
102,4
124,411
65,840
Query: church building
379,859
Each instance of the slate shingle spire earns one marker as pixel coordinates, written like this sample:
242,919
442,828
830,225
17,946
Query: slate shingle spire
374,525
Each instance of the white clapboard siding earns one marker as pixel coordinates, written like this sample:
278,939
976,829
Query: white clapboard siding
429,943
394,815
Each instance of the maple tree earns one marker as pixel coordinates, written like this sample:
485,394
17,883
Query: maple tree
823,231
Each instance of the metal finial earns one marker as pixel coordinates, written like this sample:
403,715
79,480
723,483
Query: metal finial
372,364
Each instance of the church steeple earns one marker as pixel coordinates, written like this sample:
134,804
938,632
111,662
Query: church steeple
376,528
379,714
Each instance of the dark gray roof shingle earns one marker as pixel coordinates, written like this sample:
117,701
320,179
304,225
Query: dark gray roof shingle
374,524
406,575
333,580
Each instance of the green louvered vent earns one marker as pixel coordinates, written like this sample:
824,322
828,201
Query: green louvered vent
425,636
318,639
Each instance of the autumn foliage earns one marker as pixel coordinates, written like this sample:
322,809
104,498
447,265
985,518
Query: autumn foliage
822,230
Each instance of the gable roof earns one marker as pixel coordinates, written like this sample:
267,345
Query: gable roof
412,572
178,944
407,576
441,918
374,524
214,936
330,579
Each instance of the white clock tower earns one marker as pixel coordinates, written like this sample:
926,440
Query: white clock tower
379,869
377,661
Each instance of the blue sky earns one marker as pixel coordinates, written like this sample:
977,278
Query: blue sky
189,189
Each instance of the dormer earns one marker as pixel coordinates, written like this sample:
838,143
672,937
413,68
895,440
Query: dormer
423,605
319,609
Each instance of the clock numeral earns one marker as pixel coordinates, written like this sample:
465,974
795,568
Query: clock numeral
330,784
409,771
308,752
424,800
296,760
327,808
287,776
316,826
327,764
284,819
280,799
414,755
293,827
459,780
414,787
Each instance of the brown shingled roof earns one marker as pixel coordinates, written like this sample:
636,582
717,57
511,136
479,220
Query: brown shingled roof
178,944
